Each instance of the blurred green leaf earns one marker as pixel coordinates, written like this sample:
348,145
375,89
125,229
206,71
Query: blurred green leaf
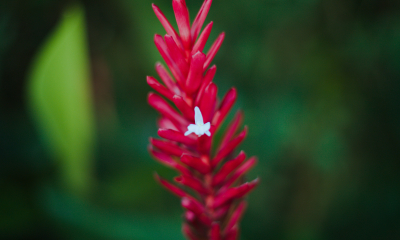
60,98
75,213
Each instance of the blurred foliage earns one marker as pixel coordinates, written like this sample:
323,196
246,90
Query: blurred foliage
318,81
60,97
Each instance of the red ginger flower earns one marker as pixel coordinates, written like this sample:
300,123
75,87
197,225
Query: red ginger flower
210,185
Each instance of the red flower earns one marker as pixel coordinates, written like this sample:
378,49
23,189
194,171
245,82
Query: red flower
210,185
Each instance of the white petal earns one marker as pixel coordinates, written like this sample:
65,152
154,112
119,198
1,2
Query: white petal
191,128
198,118
199,131
203,129
188,132
208,133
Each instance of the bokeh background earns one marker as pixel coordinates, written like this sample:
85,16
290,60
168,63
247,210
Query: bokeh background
318,81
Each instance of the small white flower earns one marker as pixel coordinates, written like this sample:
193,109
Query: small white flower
199,128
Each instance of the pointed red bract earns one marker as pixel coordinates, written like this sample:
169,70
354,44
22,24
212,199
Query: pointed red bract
228,168
207,103
241,171
193,183
229,147
168,161
182,18
167,79
185,109
196,163
193,205
177,55
205,82
231,193
175,190
165,123
195,73
165,109
226,105
170,30
162,48
231,130
237,214
199,46
214,49
200,18
163,158
153,83
176,136
167,147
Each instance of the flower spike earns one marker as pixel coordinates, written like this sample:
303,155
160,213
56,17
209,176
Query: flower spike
210,181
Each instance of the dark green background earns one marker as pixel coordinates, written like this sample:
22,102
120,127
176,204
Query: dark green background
318,81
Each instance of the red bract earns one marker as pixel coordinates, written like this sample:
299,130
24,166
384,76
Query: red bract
210,184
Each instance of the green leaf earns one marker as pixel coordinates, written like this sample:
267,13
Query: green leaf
61,100
80,218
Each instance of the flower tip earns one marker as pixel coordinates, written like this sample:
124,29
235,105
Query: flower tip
160,130
185,201
255,182
242,154
198,54
190,216
179,1
150,95
155,8
245,130
158,37
157,177
150,80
